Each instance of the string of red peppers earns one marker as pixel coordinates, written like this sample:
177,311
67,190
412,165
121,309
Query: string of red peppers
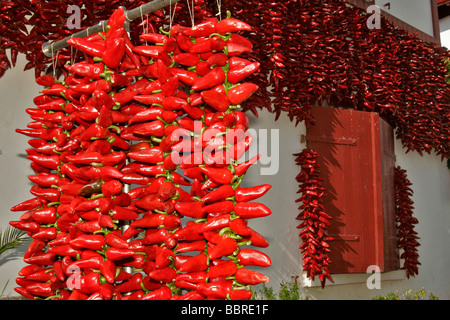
151,117
322,53
407,236
314,246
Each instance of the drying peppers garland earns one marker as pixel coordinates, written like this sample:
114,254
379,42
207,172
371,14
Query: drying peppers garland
310,52
315,220
407,236
322,53
26,25
150,117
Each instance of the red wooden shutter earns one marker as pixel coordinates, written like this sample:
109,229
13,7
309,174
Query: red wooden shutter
357,167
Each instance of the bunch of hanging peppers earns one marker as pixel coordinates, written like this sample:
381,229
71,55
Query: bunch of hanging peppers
315,220
137,181
407,236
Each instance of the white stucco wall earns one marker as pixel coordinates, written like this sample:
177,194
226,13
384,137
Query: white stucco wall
430,177
444,27
414,12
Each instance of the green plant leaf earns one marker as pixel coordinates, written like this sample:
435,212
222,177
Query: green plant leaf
11,238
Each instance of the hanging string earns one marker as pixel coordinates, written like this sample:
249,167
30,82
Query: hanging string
72,58
172,15
54,61
144,25
219,8
191,11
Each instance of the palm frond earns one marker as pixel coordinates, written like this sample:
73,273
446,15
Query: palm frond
11,238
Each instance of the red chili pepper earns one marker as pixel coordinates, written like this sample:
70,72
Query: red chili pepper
232,25
88,226
28,205
49,162
154,220
92,71
223,248
116,20
240,295
191,209
164,257
188,246
111,188
163,293
151,155
94,262
89,283
124,97
236,49
192,231
114,53
159,236
42,289
41,258
115,254
170,87
242,92
218,175
45,80
90,87
250,210
35,246
166,274
219,208
108,270
185,76
45,234
153,128
94,131
91,48
217,59
203,29
195,263
224,268
220,193
147,114
235,75
219,289
217,100
252,257
242,168
27,226
213,78
46,215
186,59
251,193
89,241
217,222
40,276
239,39
107,291
45,179
250,277
240,227
149,51
192,277
201,46
64,250
154,37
